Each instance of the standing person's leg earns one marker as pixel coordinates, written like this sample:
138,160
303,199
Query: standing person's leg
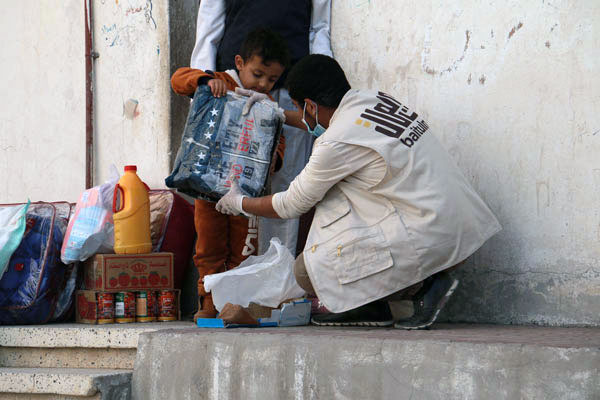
243,239
298,146
211,251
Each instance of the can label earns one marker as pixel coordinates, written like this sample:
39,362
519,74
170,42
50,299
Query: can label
106,310
141,304
145,304
124,307
153,303
167,307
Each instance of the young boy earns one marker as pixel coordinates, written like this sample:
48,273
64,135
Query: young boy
221,28
224,241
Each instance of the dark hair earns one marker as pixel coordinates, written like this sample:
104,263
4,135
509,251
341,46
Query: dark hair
267,44
319,78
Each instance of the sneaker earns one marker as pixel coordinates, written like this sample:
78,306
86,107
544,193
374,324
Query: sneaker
376,313
429,301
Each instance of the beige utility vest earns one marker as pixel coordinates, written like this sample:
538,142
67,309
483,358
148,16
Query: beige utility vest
421,218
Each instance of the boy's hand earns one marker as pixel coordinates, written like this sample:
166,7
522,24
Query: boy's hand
253,97
218,87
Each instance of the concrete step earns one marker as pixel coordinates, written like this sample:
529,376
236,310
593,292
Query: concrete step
111,346
122,336
446,362
79,357
64,383
26,396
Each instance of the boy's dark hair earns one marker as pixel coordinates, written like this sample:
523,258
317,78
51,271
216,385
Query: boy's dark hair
267,44
319,78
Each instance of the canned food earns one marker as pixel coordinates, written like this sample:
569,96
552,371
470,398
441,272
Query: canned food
124,307
106,309
167,305
144,306
153,303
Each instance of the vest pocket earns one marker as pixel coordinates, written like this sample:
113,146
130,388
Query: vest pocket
332,208
358,253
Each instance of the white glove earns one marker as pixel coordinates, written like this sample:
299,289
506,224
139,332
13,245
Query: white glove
231,203
253,97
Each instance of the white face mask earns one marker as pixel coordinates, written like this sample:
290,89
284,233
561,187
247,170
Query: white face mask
319,130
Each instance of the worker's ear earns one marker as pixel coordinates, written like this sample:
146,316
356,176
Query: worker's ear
311,107
239,62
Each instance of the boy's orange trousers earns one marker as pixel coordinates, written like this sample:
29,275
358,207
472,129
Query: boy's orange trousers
223,241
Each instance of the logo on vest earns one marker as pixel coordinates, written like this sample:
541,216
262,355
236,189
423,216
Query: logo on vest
393,119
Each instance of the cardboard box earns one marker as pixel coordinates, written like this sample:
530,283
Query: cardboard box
295,313
86,306
119,272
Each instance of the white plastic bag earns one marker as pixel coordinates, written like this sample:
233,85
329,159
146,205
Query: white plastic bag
91,227
12,228
265,280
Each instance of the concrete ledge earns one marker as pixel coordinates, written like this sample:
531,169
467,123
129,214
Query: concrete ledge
449,362
72,357
81,335
63,381
25,396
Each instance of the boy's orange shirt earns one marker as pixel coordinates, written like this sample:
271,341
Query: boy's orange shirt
185,82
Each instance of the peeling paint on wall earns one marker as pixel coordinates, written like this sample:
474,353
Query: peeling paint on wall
360,3
130,108
542,193
514,29
452,67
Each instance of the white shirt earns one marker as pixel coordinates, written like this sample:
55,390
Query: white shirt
330,163
210,27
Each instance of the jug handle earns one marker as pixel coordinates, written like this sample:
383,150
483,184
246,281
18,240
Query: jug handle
147,187
114,205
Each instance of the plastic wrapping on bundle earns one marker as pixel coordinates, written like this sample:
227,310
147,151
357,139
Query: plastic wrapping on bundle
266,280
219,142
66,294
91,229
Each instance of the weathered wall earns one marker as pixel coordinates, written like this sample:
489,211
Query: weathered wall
512,90
42,118
136,40
42,103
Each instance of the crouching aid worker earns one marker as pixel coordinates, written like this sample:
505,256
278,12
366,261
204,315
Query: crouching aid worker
393,212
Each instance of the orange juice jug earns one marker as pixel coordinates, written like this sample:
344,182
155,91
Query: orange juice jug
132,217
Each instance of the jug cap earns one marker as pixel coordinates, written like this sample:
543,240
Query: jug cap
130,168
